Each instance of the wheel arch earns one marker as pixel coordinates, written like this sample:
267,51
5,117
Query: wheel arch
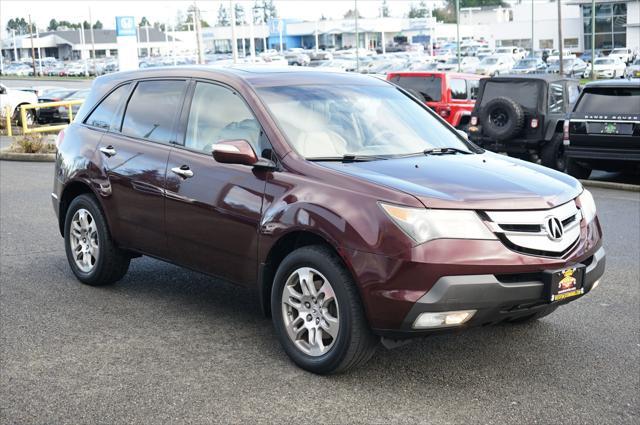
283,246
71,191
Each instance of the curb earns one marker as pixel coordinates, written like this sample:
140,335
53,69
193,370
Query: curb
27,157
611,185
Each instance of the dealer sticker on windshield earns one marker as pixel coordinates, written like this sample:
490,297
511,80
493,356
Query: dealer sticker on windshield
567,283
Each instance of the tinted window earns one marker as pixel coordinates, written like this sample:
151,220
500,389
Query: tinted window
610,100
427,89
102,116
152,110
458,88
556,98
524,92
219,114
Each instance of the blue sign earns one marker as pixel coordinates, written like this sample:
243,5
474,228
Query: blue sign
125,26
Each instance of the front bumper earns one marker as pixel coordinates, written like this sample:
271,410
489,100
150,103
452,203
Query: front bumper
453,275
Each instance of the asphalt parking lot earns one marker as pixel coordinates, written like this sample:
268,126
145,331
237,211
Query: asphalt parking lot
166,345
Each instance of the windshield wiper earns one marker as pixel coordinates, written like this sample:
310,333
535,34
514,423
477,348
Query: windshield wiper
444,151
349,158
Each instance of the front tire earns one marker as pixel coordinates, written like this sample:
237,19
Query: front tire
317,313
92,255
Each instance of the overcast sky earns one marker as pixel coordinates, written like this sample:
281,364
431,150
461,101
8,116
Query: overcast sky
106,10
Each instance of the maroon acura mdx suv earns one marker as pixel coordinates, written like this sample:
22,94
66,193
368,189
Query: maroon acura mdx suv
356,213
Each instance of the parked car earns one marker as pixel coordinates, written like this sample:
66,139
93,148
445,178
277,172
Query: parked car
624,54
608,67
495,65
529,65
586,56
450,95
633,70
13,100
571,67
312,189
468,64
603,131
59,113
523,115
297,57
516,53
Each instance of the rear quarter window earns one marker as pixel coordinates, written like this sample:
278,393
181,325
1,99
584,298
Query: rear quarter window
102,116
428,89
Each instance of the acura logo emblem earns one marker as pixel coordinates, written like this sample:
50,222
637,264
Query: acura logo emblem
554,228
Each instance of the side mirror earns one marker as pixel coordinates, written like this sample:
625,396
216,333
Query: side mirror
238,151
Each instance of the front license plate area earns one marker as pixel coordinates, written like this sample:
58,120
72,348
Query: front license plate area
565,283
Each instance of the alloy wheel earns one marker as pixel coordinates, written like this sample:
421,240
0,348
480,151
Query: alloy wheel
310,311
83,238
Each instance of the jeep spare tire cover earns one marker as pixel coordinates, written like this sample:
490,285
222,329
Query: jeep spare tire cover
501,118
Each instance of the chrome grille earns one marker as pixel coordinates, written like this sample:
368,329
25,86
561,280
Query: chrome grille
530,232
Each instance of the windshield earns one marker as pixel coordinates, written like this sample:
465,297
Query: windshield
323,121
610,100
489,61
603,61
526,63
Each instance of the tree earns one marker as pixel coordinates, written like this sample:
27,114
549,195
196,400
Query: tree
160,27
351,14
240,15
418,12
20,26
447,14
223,17
269,10
86,25
97,25
384,9
144,22
53,25
323,18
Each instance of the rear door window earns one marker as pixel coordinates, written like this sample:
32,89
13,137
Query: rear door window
152,110
458,88
428,89
102,116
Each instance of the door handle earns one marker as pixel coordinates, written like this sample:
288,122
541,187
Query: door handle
183,171
109,151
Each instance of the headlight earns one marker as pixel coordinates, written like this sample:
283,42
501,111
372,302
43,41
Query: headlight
587,205
423,224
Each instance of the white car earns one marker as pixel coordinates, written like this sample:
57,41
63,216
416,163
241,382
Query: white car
467,64
516,53
12,100
495,65
624,54
633,70
609,67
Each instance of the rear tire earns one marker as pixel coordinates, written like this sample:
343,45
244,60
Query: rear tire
553,154
30,115
352,342
577,169
92,255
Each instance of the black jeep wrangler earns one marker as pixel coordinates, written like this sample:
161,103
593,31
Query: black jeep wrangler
604,128
524,116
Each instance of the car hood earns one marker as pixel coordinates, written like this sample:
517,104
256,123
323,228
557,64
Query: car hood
485,181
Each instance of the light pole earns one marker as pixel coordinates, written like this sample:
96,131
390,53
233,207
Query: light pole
355,2
458,31
560,37
593,37
532,25
234,40
33,53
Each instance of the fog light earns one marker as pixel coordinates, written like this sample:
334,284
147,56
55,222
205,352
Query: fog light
595,284
443,319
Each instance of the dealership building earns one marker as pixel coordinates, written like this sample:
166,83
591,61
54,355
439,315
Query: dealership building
617,24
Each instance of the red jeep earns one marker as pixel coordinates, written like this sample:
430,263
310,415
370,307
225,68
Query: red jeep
450,95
